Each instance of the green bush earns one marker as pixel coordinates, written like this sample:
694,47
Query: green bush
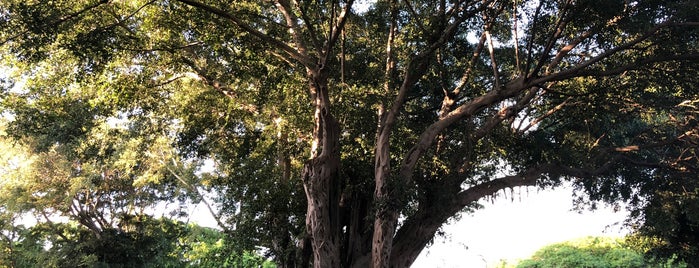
591,252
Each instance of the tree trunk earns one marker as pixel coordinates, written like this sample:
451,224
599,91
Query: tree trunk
321,180
386,215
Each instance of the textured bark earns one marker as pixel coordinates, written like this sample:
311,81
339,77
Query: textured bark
384,223
386,216
420,228
321,219
321,180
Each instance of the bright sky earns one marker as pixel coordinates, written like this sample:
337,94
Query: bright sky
512,230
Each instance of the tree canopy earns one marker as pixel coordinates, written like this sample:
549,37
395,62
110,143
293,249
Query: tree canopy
343,134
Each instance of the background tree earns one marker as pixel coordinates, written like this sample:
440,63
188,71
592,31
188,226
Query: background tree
593,252
411,110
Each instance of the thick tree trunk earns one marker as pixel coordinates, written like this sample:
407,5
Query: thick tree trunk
383,239
321,219
321,180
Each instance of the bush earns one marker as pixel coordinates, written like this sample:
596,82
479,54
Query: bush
591,252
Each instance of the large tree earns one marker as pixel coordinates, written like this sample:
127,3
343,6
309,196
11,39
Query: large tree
383,119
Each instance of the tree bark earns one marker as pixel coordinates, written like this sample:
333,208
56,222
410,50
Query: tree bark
321,180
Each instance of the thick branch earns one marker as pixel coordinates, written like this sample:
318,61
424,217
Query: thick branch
467,109
418,229
475,193
575,42
535,21
417,67
450,98
504,114
292,24
560,26
640,64
566,49
491,49
545,115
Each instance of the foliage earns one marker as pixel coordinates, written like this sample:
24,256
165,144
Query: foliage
659,250
206,247
149,243
593,252
671,212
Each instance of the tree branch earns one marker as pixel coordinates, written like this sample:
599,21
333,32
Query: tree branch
419,228
417,67
504,113
535,21
469,108
640,64
450,98
292,24
337,29
576,70
195,190
491,49
293,53
527,178
545,115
